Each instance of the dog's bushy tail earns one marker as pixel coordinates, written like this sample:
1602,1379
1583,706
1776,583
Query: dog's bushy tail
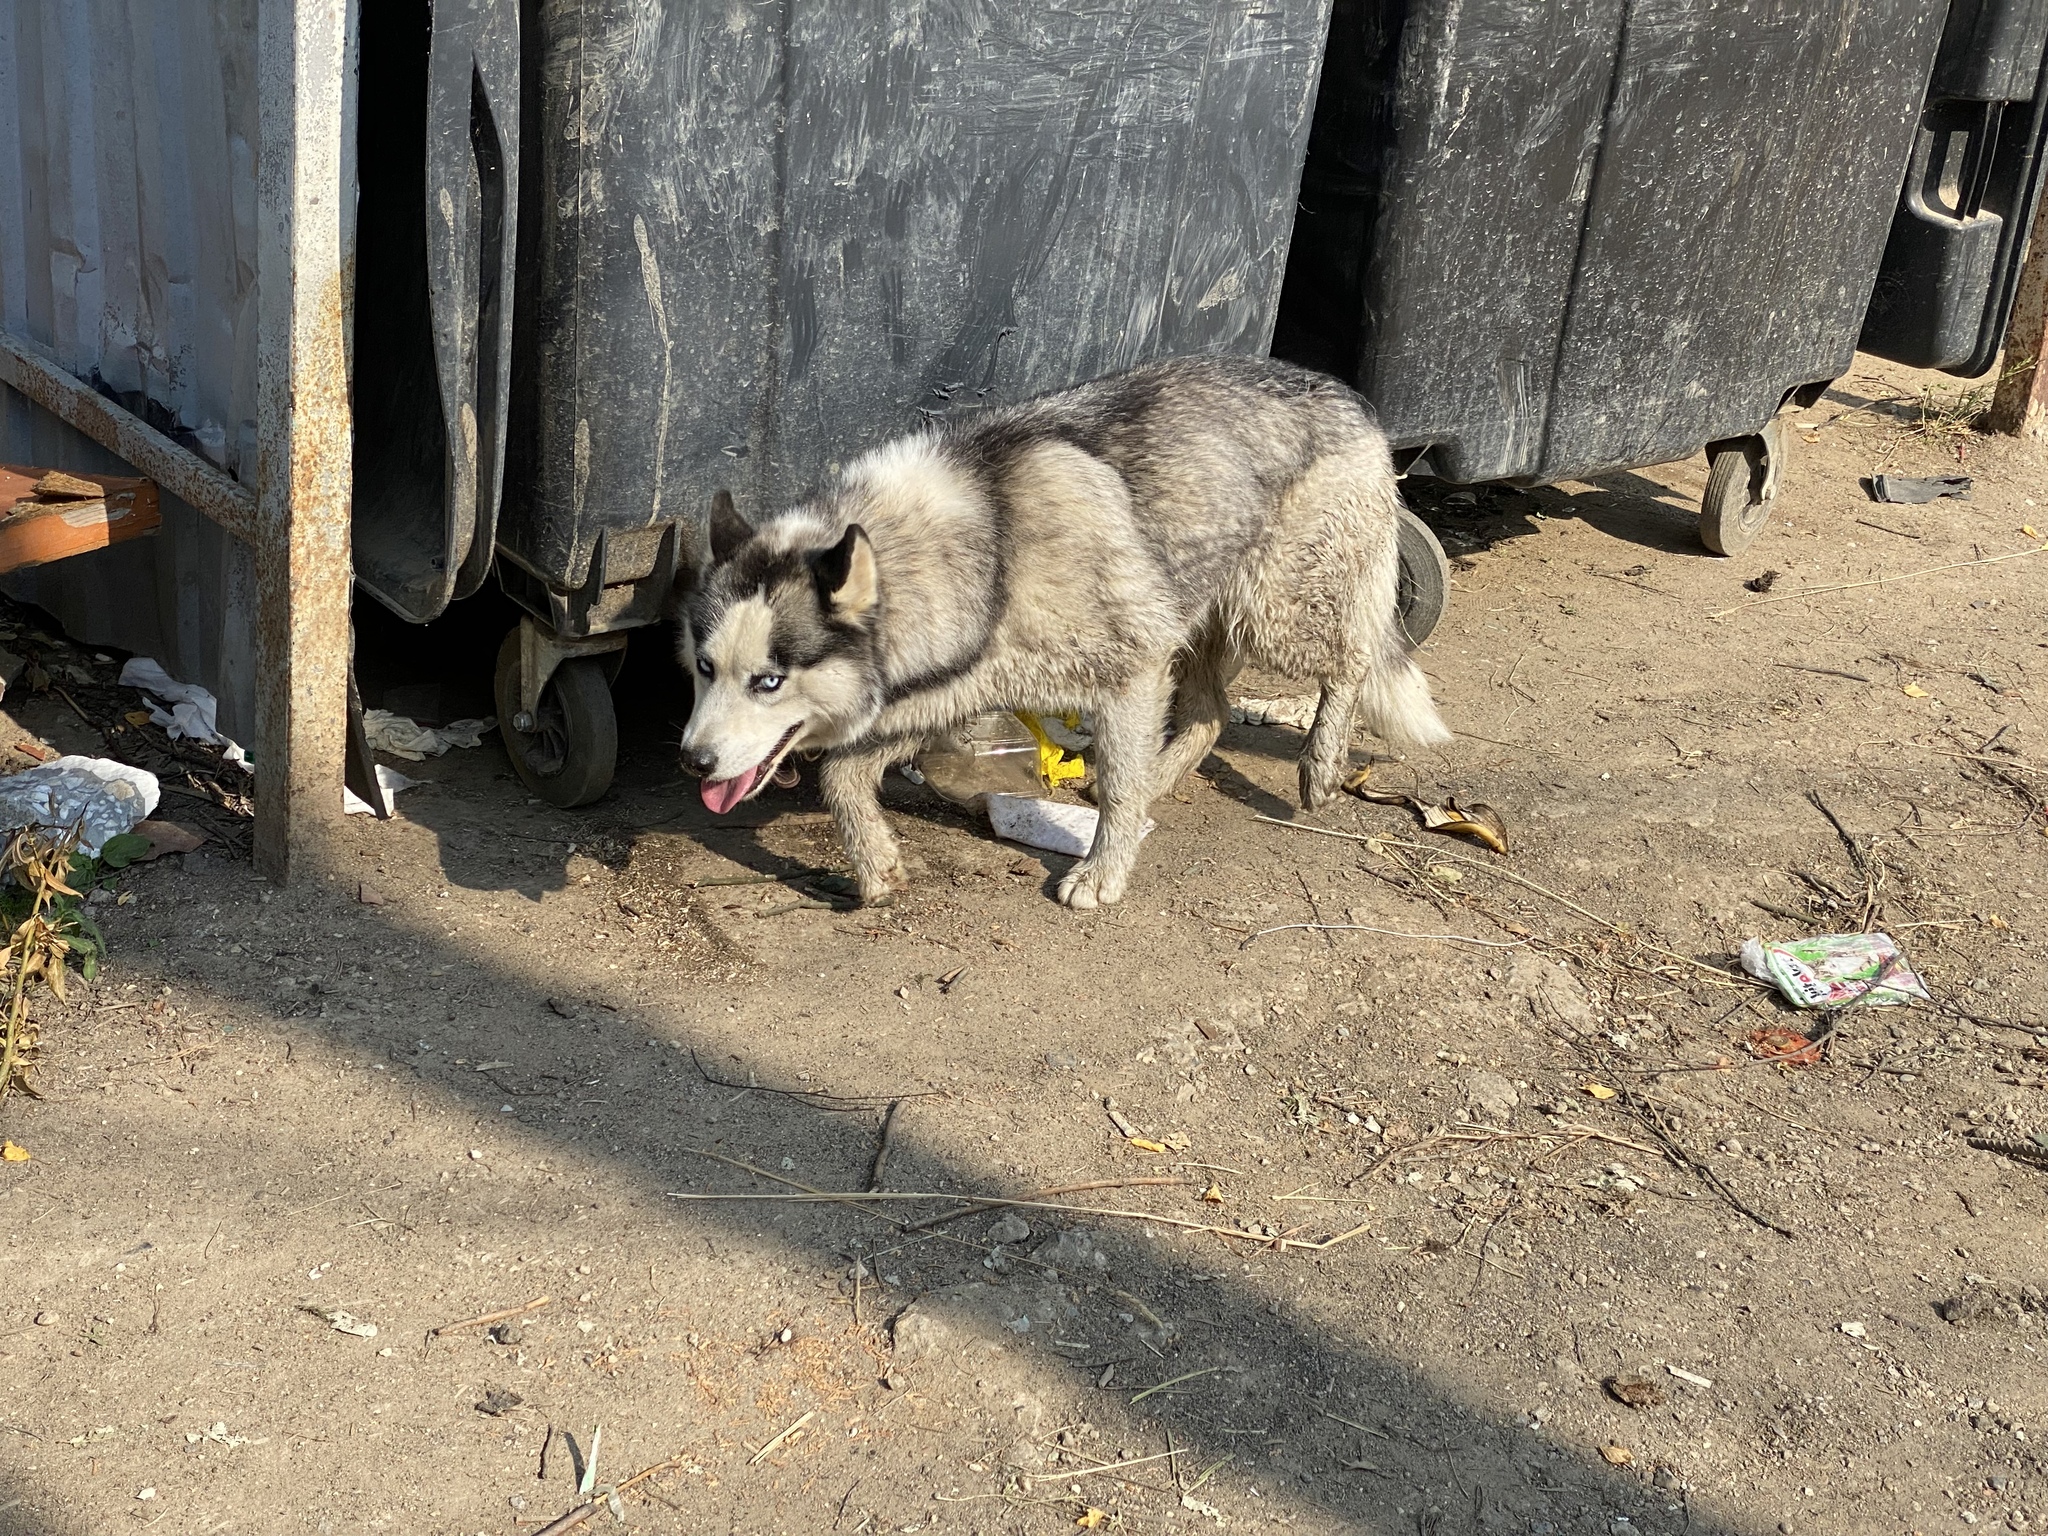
1394,703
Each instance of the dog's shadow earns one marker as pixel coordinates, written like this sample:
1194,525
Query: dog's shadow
1221,776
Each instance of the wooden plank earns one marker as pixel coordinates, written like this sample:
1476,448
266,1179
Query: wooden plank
50,515
2020,407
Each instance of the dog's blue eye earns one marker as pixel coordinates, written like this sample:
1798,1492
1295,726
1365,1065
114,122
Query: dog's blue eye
703,666
768,682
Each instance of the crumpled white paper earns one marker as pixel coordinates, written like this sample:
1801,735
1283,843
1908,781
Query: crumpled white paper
193,711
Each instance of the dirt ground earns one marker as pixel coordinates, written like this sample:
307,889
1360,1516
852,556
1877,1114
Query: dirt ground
502,1053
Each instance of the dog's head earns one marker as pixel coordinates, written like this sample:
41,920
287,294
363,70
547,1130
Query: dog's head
778,632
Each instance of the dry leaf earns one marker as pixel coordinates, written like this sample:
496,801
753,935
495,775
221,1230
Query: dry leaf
1146,1144
1915,691
1786,1047
11,1153
137,717
1634,1392
2028,530
1617,1455
1600,1091
1092,1519
1213,1194
166,837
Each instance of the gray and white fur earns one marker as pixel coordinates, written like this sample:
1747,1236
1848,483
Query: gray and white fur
1121,548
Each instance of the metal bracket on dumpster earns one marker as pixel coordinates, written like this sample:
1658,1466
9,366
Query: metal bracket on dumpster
1773,436
541,651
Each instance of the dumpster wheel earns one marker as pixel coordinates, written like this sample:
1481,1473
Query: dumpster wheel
1740,490
568,756
1424,584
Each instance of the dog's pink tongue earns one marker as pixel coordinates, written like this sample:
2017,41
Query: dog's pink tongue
723,794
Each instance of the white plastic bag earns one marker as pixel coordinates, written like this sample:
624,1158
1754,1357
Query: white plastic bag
98,796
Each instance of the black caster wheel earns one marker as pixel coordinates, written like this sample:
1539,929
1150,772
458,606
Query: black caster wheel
1424,585
1741,486
570,745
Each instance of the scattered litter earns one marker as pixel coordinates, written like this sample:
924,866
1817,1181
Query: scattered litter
1688,1377
342,1322
1634,1391
1600,1091
589,1478
1481,823
10,1153
389,779
1091,1519
1786,1047
99,797
1907,490
1049,824
1297,713
409,739
219,1435
193,711
1836,970
1617,1455
1915,691
992,754
1853,1330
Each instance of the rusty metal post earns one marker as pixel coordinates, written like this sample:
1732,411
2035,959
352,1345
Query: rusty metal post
2020,408
304,210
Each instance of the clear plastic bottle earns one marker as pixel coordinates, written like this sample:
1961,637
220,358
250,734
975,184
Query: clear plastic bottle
992,754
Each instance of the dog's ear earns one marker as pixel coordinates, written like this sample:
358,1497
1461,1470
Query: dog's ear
728,529
845,574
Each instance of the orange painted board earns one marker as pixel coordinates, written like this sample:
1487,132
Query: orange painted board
37,527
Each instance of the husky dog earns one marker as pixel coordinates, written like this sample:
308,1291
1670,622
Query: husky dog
1123,548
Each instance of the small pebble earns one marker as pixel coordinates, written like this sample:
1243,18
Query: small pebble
508,1333
1063,1061
1012,1229
46,1319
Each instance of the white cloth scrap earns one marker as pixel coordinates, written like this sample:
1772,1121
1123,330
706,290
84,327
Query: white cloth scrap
405,738
193,712
389,780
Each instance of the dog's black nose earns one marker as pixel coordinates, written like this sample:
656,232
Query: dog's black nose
699,763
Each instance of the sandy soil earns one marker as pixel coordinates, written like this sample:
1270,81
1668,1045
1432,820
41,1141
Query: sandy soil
479,1062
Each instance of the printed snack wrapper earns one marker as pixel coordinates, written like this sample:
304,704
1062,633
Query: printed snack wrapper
1836,970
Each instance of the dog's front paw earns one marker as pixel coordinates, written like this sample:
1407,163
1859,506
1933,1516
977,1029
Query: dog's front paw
881,890
1087,887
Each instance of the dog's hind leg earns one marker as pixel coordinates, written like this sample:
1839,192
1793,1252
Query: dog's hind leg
1201,707
1127,731
852,781
1325,760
